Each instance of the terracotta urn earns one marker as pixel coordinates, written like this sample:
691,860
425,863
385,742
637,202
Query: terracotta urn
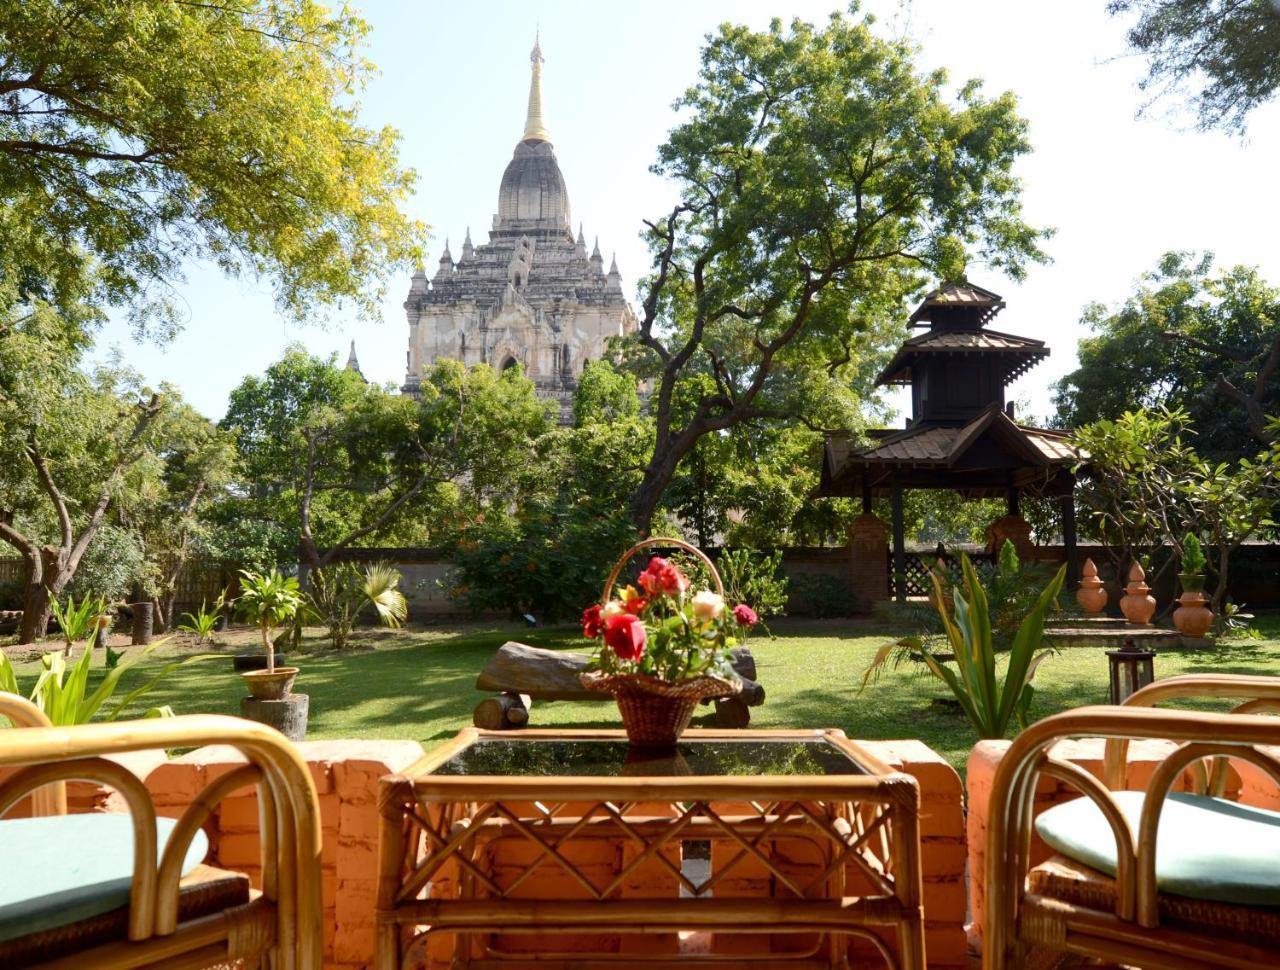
1137,604
1091,596
1193,618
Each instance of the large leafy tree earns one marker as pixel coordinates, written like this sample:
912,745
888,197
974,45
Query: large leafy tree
1220,54
334,462
69,441
822,180
147,132
1190,337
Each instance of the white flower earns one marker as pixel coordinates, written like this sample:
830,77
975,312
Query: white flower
612,608
708,605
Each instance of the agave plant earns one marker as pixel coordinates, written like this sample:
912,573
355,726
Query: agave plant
78,622
340,593
990,701
62,691
204,621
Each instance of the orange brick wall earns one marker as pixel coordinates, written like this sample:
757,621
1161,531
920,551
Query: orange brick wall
346,775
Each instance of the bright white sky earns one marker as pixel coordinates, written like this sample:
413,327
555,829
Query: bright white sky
454,81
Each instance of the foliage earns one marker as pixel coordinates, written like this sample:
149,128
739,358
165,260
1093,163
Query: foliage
338,594
143,134
268,600
1189,339
1193,561
604,394
113,565
991,705
69,440
823,596
664,629
821,179
336,462
1219,53
78,622
62,691
1145,488
1012,589
546,561
204,622
754,577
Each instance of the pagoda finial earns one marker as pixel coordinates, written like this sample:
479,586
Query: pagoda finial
467,248
534,127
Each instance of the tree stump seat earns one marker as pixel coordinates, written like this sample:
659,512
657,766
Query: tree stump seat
519,674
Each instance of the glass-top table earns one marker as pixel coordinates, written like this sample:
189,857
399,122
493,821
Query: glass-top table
615,758
575,845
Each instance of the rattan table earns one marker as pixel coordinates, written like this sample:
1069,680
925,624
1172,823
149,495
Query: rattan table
568,848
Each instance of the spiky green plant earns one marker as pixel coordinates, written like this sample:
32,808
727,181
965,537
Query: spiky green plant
77,621
340,593
268,600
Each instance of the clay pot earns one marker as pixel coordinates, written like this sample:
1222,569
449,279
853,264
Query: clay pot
1091,596
1193,618
270,685
1137,604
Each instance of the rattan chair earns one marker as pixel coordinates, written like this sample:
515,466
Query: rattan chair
1065,909
179,913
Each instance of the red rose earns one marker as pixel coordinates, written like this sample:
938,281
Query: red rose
663,577
591,624
624,632
745,615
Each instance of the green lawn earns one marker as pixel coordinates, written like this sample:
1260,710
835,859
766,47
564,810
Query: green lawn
420,683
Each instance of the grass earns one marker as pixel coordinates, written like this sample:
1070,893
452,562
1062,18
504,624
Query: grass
420,683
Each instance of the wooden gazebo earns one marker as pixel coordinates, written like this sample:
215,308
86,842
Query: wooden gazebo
962,434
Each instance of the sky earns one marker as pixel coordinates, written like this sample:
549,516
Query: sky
453,79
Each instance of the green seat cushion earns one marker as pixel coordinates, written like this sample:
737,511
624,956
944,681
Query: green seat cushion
62,869
1206,848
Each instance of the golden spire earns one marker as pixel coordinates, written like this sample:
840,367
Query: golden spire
534,128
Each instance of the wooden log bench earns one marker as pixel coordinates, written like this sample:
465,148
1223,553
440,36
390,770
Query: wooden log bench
518,674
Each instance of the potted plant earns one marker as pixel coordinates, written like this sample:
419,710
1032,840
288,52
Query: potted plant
268,601
662,647
1193,616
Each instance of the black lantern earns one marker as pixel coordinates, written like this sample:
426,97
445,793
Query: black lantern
1131,670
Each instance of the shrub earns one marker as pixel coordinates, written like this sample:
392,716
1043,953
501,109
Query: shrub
340,593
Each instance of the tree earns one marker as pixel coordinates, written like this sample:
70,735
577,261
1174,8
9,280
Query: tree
144,132
68,441
1188,338
339,461
822,180
165,494
1220,53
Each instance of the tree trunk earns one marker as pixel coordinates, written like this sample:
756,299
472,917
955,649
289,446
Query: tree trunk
36,612
657,476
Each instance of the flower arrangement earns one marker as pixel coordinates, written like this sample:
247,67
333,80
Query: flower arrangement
661,630
662,647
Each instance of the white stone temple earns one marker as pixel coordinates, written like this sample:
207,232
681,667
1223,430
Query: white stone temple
532,295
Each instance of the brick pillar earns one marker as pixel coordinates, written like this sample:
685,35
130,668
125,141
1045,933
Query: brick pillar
1017,530
869,560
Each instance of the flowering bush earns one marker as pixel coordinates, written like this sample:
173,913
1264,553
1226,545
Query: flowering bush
659,628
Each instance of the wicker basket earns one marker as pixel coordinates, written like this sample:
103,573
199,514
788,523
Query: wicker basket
656,712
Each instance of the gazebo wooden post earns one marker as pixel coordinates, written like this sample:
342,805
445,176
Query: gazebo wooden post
1069,538
899,547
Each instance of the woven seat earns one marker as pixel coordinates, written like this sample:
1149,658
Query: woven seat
204,891
1071,882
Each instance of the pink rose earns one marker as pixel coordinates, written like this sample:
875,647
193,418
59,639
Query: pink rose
625,633
663,577
745,615
591,622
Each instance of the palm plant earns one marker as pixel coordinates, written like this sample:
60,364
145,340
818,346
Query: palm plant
340,593
268,600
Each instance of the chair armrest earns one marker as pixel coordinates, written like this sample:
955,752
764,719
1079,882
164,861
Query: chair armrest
291,839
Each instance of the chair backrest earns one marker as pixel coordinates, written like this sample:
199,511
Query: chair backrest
1261,696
